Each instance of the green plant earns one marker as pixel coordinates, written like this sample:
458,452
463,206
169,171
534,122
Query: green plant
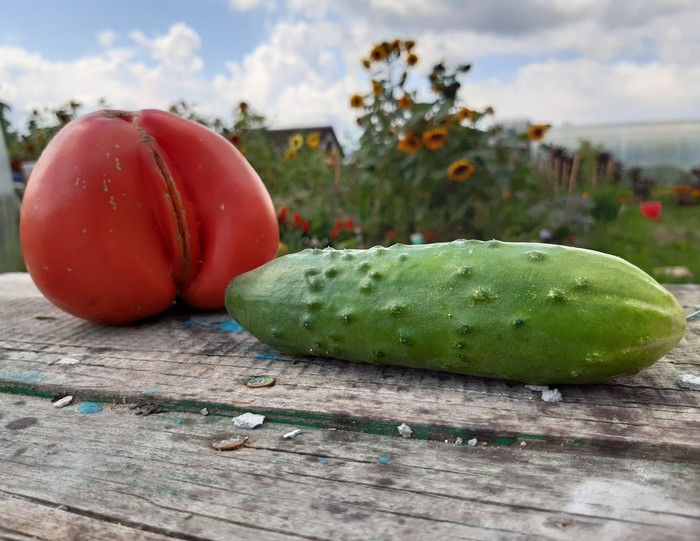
432,164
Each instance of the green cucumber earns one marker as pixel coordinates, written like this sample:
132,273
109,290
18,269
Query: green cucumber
536,313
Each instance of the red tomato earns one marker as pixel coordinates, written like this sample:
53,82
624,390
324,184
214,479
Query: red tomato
124,211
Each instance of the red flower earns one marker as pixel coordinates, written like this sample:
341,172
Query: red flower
282,215
301,223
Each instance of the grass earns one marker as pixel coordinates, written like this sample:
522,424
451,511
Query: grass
674,240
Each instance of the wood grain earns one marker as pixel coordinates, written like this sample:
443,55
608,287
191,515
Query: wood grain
159,474
614,461
193,360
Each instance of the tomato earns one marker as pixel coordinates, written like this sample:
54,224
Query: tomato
124,211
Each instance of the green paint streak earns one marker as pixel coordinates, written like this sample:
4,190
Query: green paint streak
504,441
538,437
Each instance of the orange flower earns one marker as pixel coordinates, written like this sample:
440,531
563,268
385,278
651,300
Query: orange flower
313,139
465,113
435,138
290,154
366,63
379,52
405,102
410,143
357,101
460,170
536,132
409,44
412,59
377,88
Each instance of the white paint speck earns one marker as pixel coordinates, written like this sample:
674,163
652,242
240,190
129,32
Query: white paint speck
292,434
689,381
248,420
63,402
472,442
405,430
551,395
66,360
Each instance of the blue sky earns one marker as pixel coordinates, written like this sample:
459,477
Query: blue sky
298,61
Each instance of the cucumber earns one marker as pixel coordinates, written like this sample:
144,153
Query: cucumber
535,313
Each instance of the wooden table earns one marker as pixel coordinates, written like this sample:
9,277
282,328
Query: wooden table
132,458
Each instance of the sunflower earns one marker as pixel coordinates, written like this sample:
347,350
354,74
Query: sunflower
313,139
465,113
409,44
460,170
536,132
296,141
405,102
435,138
410,143
412,59
365,63
290,154
357,101
379,52
377,88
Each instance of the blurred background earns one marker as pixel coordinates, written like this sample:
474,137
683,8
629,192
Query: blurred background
382,121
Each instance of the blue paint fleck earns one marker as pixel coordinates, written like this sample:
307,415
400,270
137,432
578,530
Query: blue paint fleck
224,326
227,326
29,377
266,357
384,459
89,407
177,421
322,459
473,429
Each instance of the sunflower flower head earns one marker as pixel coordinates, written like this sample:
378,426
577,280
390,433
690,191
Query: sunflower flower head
460,170
435,138
313,140
291,154
536,132
412,59
377,88
379,52
405,102
410,143
465,114
357,101
296,141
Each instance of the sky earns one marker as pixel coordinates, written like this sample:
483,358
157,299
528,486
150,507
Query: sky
297,62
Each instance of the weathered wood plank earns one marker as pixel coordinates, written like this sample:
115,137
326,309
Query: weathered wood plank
203,359
158,473
26,520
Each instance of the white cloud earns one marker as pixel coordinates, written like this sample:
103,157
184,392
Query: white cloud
583,62
244,5
106,38
176,50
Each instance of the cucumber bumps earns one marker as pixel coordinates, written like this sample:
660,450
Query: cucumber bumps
535,313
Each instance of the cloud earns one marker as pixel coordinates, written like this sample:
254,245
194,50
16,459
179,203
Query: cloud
244,5
580,61
107,38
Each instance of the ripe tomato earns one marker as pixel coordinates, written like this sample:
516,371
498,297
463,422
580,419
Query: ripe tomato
126,210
